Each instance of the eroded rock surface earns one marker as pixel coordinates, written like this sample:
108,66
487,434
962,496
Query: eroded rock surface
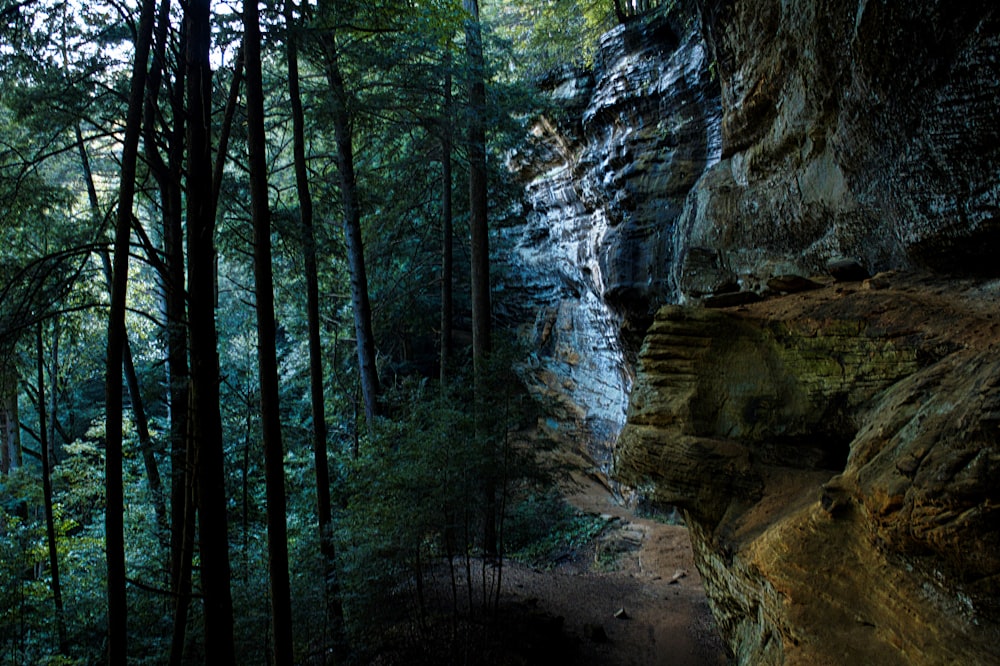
606,177
850,128
835,449
837,454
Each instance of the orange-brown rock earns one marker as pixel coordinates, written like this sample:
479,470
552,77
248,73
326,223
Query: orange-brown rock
837,455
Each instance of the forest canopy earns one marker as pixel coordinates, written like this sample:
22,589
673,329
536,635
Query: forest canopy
252,395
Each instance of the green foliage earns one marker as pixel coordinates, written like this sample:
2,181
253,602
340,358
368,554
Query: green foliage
412,491
552,33
411,496
542,529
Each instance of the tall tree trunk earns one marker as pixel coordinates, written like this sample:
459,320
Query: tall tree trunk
128,366
50,524
204,387
139,414
316,392
447,228
478,204
480,249
10,430
171,280
54,392
352,233
267,357
168,177
145,439
115,501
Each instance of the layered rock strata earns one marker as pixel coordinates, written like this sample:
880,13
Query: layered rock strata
606,175
837,455
835,451
857,128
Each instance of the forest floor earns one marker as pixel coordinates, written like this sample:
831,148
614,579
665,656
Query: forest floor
632,597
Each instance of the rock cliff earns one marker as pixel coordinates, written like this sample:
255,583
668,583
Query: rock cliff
851,128
606,175
834,445
837,455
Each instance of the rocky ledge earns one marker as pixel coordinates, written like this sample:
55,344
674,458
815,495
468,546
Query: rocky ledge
836,453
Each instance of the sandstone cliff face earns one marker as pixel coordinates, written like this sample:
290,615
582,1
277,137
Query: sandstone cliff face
836,450
606,177
856,128
837,455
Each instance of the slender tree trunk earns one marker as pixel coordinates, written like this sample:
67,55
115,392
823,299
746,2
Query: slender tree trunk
131,378
139,414
50,525
145,439
10,430
316,392
480,250
115,501
267,358
54,392
172,283
478,224
232,101
352,234
168,177
204,387
447,229
184,523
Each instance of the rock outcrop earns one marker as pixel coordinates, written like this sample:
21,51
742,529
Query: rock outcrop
850,128
606,178
837,455
835,448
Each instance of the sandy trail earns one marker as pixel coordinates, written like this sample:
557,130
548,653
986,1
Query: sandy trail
643,566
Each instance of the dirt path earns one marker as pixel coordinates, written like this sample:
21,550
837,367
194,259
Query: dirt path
642,567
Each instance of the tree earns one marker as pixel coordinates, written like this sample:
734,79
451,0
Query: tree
447,226
206,418
316,392
114,522
344,139
267,357
480,244
50,529
10,431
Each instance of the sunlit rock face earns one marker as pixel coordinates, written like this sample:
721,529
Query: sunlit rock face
606,176
834,445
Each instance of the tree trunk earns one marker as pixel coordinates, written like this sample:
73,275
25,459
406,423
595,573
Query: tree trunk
50,525
317,397
274,472
10,430
447,229
352,234
478,224
115,501
54,392
145,440
139,414
204,355
480,249
171,281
